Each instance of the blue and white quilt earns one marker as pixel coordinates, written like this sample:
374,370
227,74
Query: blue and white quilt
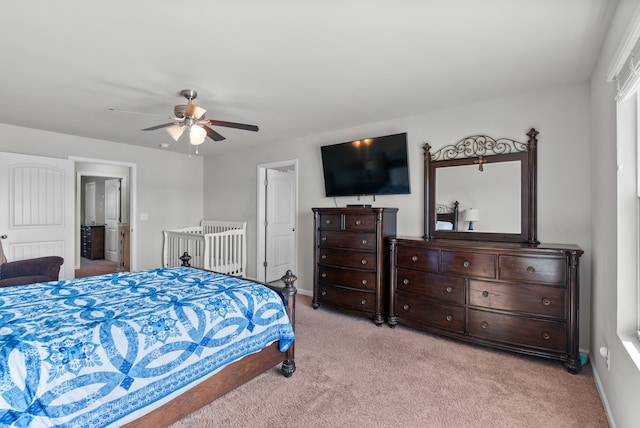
99,350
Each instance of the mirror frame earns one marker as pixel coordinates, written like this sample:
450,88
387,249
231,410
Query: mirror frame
482,150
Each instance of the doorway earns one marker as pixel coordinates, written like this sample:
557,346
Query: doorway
277,219
103,243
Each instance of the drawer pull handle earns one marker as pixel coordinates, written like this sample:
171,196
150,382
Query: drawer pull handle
449,289
546,335
324,238
324,274
364,242
485,294
484,324
324,256
328,221
466,263
405,307
324,293
405,281
531,269
363,261
363,302
449,317
546,301
364,282
414,258
358,222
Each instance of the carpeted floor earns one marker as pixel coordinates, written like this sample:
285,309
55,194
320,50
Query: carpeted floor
95,267
351,373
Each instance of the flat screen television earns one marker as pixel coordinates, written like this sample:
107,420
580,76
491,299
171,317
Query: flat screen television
371,166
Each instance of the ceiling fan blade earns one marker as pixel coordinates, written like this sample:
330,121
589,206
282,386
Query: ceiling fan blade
213,134
232,125
195,111
164,125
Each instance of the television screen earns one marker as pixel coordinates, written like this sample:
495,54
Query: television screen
371,166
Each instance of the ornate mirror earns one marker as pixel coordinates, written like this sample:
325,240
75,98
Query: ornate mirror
482,189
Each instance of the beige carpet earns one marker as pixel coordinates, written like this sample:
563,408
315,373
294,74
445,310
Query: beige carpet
351,373
95,267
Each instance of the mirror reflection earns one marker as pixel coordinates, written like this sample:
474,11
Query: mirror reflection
489,200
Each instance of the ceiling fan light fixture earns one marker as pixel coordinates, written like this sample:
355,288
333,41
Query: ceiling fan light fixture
191,118
197,134
175,131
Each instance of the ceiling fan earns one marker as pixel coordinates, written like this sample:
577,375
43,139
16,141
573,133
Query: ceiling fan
191,118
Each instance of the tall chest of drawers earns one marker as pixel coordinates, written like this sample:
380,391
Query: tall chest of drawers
351,271
92,241
509,296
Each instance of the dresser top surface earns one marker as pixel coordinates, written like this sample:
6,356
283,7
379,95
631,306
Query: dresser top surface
488,245
354,210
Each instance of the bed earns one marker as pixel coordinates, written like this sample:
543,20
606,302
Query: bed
137,349
447,216
215,245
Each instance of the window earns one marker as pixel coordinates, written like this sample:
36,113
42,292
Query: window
627,78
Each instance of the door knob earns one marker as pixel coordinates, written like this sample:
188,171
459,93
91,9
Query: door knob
3,237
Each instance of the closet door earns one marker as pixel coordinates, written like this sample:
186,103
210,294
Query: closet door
90,203
112,219
280,223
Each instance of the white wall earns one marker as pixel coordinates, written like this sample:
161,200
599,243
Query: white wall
620,386
168,185
560,114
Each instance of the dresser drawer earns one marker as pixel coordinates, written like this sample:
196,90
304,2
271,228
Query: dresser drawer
469,264
355,240
349,299
350,259
515,330
429,312
527,298
442,287
330,221
360,222
347,277
545,270
417,258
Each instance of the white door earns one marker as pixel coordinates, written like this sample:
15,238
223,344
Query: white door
90,203
280,223
36,208
112,219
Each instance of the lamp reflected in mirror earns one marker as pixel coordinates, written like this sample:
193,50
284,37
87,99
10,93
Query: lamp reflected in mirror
471,215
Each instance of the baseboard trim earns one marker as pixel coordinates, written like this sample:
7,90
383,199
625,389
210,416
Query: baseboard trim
603,397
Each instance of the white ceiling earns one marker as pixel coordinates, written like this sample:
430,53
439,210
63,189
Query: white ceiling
293,68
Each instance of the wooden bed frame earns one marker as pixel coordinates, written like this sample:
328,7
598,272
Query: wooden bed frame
231,376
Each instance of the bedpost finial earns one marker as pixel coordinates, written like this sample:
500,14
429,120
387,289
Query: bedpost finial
185,259
289,278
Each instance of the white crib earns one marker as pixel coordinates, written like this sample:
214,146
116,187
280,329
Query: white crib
220,246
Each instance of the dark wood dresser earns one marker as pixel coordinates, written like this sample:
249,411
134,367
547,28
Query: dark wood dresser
511,296
92,241
351,271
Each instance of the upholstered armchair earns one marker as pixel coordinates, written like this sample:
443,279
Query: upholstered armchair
29,271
